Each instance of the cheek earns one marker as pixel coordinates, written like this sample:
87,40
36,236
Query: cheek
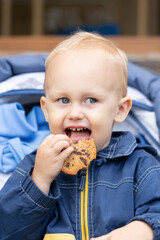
102,136
53,120
102,125
104,117
56,120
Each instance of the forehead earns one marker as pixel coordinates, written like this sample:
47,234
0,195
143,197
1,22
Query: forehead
83,60
91,66
72,56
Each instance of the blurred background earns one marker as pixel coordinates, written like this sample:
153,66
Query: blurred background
38,25
43,17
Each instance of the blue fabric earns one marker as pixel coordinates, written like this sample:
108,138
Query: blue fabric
148,83
18,64
19,134
120,189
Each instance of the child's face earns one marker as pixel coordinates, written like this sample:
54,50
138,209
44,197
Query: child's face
83,96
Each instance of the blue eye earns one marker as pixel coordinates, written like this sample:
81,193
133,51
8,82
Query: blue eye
63,100
91,100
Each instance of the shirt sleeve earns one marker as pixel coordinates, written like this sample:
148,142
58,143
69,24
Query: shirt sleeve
147,193
24,210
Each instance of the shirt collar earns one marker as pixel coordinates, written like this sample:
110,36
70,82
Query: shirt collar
121,144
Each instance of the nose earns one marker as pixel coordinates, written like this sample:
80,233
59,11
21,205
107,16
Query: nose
75,112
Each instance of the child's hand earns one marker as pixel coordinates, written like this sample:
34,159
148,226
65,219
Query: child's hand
50,157
136,230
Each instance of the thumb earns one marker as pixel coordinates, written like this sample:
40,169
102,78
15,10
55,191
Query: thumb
104,237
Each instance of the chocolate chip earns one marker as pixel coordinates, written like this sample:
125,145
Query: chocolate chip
84,161
67,165
87,154
77,153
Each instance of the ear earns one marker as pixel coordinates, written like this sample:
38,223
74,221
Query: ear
44,107
123,109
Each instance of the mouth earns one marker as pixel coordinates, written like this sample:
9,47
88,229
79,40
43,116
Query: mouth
77,133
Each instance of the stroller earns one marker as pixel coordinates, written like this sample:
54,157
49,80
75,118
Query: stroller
22,122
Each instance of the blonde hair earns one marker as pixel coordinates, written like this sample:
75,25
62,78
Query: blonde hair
85,40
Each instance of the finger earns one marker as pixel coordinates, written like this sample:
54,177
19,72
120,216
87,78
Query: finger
51,139
62,137
66,152
60,146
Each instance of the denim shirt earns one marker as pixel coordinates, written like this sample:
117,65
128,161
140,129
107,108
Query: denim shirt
120,185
